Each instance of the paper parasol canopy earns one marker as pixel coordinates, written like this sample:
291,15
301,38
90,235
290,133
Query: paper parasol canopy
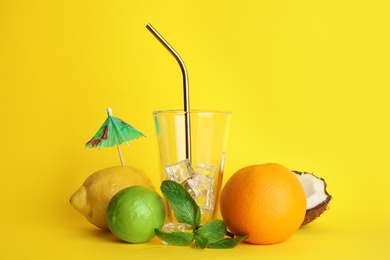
114,131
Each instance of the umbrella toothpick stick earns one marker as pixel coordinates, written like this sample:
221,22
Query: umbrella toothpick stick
120,155
185,87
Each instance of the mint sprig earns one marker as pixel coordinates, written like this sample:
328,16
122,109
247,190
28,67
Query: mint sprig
175,238
227,242
183,205
210,235
213,231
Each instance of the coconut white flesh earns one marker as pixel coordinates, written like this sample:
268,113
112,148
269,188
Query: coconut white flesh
314,189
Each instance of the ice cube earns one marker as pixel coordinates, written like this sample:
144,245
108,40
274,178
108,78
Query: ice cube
205,169
203,182
191,187
173,227
206,201
199,184
180,171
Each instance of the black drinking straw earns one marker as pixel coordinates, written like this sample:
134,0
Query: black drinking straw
185,87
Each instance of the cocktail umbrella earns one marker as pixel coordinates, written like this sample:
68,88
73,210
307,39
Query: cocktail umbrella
114,131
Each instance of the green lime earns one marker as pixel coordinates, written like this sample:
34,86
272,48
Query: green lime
134,212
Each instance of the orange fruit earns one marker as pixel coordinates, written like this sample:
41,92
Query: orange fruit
265,201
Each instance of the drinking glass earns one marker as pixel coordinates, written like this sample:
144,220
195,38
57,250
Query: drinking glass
192,152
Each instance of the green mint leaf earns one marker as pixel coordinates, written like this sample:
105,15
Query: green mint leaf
183,205
213,231
226,243
175,238
201,241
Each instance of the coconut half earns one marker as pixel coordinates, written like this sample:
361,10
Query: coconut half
317,197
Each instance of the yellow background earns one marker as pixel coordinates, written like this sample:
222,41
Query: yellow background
307,82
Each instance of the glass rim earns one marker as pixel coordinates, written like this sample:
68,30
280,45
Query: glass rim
196,111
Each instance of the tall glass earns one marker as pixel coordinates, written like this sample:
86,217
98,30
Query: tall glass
194,156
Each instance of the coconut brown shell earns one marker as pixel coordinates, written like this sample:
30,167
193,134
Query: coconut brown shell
313,213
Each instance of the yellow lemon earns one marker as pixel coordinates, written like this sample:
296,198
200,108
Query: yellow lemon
92,198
